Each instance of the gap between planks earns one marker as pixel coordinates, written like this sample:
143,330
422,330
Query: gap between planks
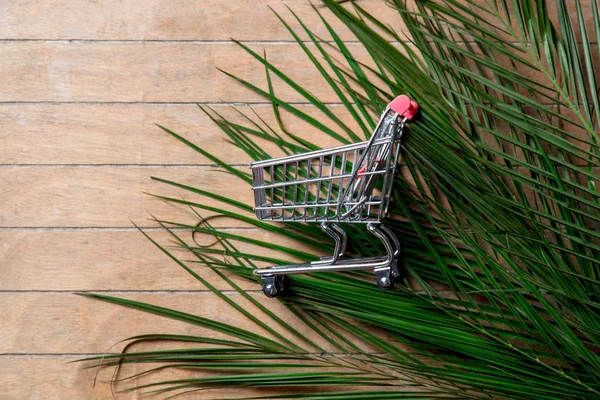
173,103
184,41
199,291
192,103
133,291
220,42
77,355
136,166
115,229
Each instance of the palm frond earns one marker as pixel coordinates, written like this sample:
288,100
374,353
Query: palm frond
496,209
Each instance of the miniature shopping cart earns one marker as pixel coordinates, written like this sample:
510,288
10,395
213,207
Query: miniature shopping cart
346,184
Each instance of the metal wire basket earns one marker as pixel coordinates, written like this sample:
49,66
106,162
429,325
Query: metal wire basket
345,184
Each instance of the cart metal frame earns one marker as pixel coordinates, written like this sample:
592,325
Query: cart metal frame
345,184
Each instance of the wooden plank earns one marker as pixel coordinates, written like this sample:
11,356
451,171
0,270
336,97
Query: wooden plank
56,378
149,72
158,72
59,323
52,378
193,20
112,260
126,134
167,20
112,197
104,197
109,197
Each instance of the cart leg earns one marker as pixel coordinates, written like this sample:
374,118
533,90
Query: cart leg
273,285
385,275
341,239
344,235
397,273
394,240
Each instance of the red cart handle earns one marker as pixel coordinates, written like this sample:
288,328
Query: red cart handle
404,106
378,167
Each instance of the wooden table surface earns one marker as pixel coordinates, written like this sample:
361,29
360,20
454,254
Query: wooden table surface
83,83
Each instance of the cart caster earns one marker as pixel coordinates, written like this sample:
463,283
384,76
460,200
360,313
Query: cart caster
273,285
385,278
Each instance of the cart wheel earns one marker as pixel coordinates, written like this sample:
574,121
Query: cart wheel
385,280
273,285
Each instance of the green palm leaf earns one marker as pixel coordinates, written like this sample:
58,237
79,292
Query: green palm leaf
496,209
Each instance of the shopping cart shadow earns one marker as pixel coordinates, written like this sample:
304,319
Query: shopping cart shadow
345,184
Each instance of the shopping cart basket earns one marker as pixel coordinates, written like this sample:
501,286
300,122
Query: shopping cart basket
346,184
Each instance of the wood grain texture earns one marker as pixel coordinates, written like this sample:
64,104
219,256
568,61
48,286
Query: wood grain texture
162,72
67,132
201,20
125,133
149,72
113,260
197,20
51,323
57,378
52,378
103,197
112,197
83,84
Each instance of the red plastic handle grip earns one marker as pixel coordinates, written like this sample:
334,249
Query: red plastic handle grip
361,172
404,106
